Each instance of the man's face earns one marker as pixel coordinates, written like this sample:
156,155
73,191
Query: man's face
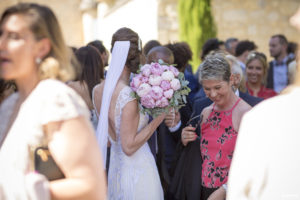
275,47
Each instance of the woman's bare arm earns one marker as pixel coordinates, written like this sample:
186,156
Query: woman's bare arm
131,140
74,148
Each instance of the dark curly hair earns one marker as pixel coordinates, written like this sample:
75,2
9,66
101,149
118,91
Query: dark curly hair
134,54
182,54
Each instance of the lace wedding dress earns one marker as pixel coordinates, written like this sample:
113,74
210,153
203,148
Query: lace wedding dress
136,176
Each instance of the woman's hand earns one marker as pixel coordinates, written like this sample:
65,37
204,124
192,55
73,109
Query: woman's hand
219,194
188,134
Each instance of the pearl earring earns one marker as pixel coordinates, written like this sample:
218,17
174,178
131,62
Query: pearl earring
38,60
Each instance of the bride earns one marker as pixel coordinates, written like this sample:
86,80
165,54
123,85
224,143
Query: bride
132,171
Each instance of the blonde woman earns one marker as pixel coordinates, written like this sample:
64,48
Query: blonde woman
43,111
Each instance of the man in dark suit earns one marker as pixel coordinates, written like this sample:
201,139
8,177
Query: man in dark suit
168,133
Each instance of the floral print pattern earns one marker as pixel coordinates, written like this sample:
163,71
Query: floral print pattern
217,146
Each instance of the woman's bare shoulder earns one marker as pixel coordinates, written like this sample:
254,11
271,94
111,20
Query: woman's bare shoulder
243,107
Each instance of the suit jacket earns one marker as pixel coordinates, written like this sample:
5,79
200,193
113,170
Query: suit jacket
270,79
167,143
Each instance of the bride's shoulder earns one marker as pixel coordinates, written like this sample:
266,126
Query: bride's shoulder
126,95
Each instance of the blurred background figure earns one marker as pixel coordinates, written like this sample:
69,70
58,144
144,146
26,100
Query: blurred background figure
256,71
277,77
230,45
6,89
160,52
149,45
44,112
92,73
242,50
102,50
264,173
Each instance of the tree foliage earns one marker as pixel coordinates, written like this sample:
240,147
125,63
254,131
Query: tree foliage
196,25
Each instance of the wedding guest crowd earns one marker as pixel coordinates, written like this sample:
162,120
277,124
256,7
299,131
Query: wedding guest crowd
72,129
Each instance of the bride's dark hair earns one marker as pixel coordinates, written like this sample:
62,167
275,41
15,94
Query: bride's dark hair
134,54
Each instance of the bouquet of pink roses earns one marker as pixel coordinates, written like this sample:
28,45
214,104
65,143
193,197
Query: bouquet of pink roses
159,87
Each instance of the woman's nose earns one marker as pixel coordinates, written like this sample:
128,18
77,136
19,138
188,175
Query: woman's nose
213,93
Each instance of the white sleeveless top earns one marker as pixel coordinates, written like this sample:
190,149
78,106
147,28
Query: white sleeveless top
50,101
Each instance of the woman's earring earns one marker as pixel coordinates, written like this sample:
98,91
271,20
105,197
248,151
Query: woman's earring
38,60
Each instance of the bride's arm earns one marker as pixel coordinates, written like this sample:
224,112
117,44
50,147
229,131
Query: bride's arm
131,140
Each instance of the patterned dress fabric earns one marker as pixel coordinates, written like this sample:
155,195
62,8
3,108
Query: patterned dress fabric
217,146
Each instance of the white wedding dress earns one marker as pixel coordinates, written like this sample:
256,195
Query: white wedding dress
136,176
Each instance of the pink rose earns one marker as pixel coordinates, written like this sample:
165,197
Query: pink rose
136,82
174,70
148,101
155,80
143,90
175,84
164,102
169,93
144,79
146,70
161,103
132,86
165,85
156,92
165,68
167,75
156,69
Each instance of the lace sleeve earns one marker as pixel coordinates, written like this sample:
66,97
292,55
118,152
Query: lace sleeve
60,103
126,95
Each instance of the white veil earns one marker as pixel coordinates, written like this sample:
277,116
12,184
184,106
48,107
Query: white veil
116,66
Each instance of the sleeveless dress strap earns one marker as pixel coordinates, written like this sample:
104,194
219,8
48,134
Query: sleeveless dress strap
236,103
93,101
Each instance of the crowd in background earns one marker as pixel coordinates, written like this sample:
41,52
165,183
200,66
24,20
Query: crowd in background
49,90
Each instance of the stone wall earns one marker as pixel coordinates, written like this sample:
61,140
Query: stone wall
256,20
68,14
168,27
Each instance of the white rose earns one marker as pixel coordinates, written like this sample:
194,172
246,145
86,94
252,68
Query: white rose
175,84
167,75
144,89
155,80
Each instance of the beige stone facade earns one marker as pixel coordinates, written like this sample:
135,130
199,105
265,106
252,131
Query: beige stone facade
255,20
68,14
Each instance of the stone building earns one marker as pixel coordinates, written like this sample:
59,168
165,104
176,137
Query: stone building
85,20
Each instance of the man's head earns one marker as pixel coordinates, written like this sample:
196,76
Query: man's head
243,48
236,71
102,50
230,45
149,45
278,46
160,52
